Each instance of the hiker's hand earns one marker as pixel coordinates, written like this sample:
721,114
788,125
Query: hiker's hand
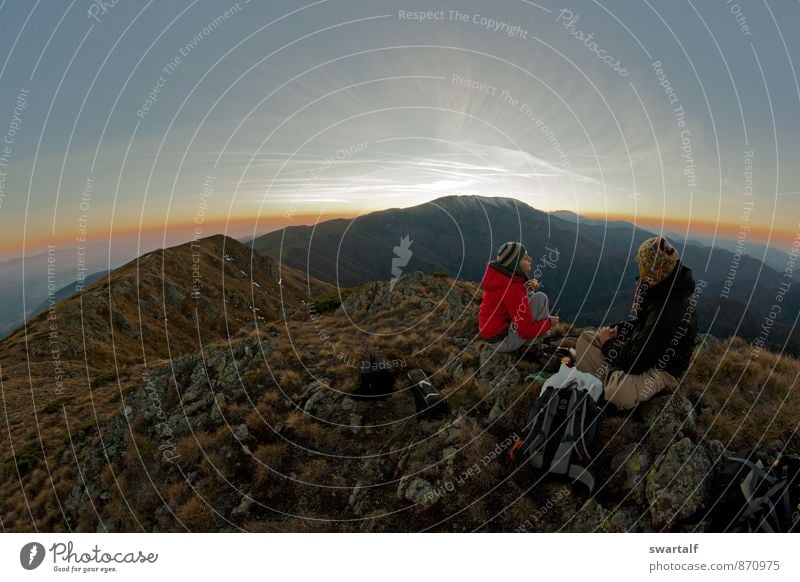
554,319
605,334
532,284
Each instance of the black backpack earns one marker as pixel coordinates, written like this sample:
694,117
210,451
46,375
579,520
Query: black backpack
376,377
428,400
560,436
751,498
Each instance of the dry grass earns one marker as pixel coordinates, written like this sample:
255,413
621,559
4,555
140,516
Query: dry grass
739,403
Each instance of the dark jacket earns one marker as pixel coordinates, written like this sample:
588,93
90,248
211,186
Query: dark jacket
663,329
504,301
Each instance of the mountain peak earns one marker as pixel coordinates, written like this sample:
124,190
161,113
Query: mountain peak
472,201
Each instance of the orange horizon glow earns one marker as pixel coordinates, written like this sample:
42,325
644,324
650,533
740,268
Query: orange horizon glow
177,233
700,227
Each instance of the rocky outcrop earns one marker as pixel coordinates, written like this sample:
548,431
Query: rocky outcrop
676,485
429,294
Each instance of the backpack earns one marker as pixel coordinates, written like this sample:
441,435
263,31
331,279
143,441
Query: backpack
428,400
751,498
376,377
560,435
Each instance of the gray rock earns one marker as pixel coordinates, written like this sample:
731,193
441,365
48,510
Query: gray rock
449,458
106,526
715,450
589,518
355,494
629,469
676,484
376,297
216,409
355,423
421,492
241,433
498,410
498,370
190,410
667,419
401,485
312,404
244,507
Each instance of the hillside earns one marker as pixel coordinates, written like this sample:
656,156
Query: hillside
588,267
261,432
65,372
163,304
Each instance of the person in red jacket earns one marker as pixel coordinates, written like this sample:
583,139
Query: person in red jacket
512,312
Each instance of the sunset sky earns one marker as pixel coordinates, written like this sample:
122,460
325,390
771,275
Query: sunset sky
144,121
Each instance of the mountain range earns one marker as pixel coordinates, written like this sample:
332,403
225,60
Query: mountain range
587,267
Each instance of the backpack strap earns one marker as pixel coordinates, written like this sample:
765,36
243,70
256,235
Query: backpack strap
756,478
550,411
581,475
565,447
759,503
584,449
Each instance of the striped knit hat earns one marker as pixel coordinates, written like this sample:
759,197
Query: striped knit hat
510,254
657,259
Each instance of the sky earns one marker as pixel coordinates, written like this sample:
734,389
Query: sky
143,124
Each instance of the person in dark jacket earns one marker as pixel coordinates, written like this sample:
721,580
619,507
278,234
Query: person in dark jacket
512,312
639,358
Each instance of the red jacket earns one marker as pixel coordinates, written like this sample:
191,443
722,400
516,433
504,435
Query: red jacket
505,300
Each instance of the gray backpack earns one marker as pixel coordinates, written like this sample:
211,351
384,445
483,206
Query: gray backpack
560,436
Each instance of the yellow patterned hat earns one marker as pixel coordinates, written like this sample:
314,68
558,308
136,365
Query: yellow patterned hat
657,259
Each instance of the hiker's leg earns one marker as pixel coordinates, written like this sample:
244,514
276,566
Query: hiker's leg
627,390
540,309
540,305
655,381
511,342
589,355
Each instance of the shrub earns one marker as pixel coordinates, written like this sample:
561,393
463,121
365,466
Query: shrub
28,457
330,301
55,405
196,516
104,379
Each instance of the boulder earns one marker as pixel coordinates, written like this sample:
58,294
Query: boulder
676,484
667,419
421,492
629,469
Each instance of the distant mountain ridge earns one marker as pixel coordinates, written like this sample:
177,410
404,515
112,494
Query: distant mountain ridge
592,281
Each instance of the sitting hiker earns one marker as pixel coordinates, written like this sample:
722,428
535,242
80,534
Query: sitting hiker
512,313
639,358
